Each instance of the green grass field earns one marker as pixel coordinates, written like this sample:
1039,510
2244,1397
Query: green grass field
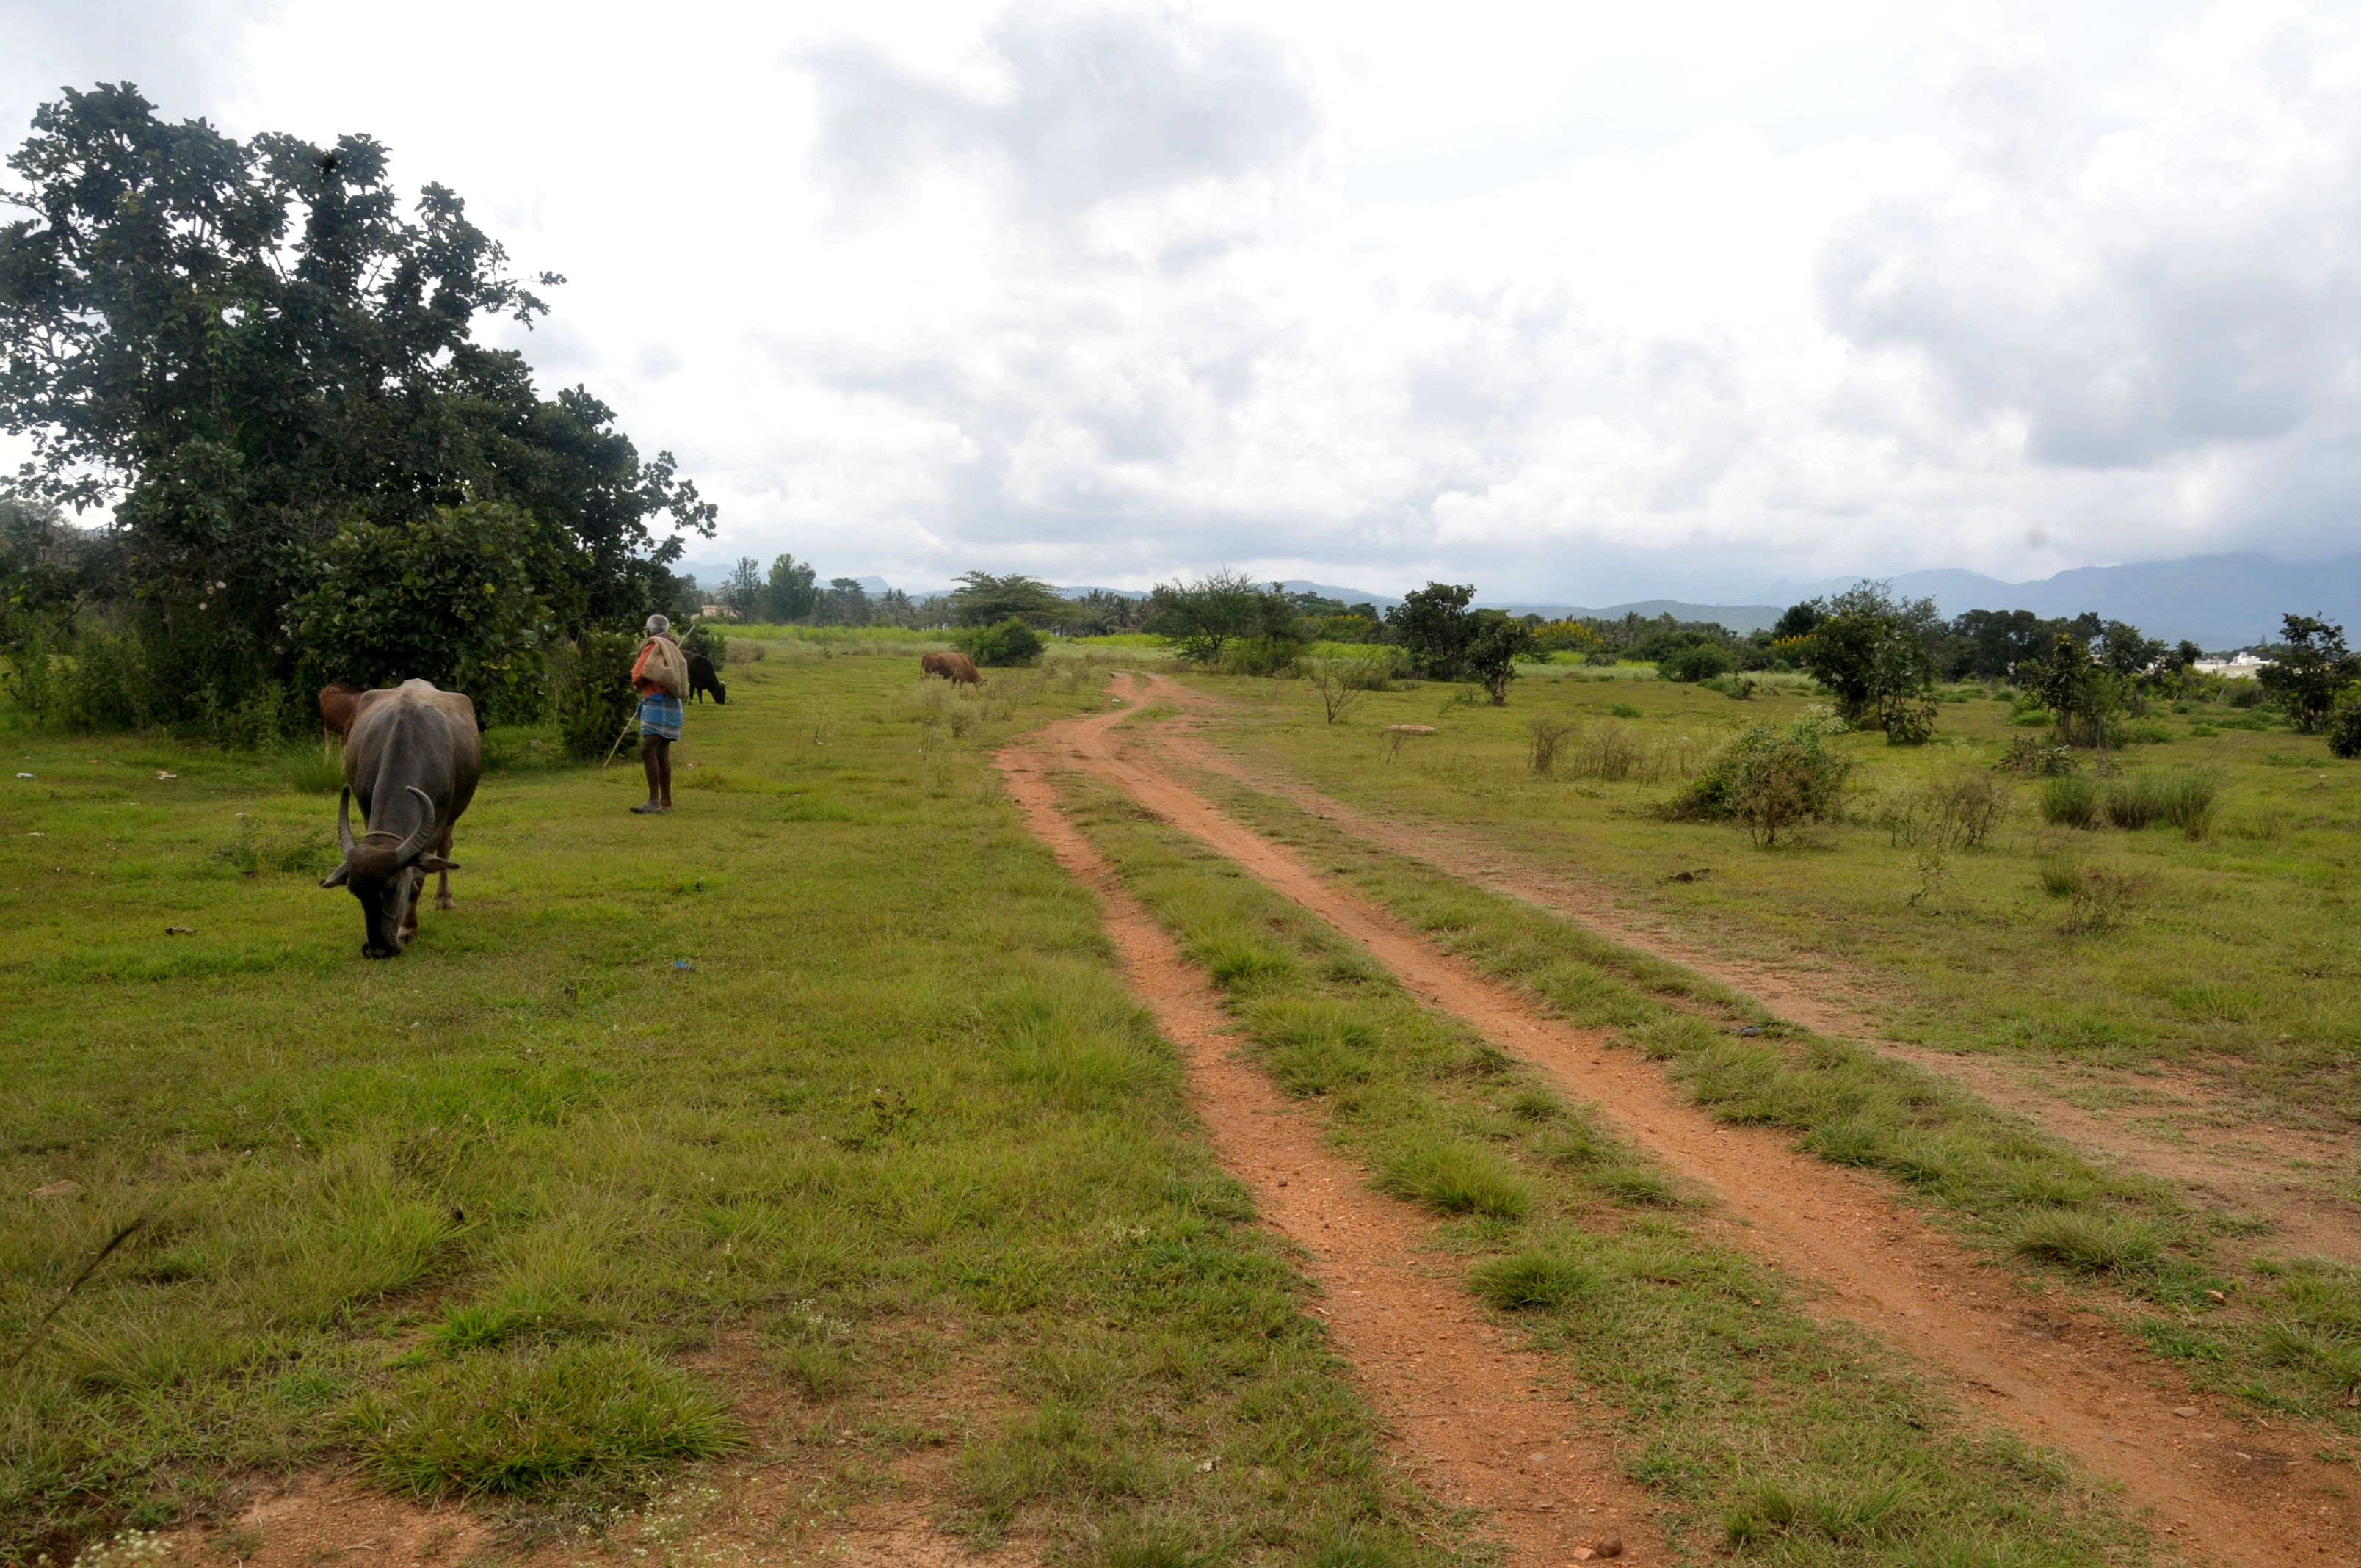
2233,952
826,1080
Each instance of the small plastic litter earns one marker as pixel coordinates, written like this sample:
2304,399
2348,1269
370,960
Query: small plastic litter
162,775
179,930
682,963
24,775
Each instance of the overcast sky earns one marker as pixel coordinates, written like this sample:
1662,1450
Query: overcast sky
1571,301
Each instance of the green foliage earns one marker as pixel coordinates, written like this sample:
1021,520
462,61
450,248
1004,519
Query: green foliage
1433,628
983,600
708,639
1697,661
2345,723
1768,779
2081,693
1204,618
1496,641
1010,644
1871,652
447,599
257,353
2308,671
590,693
791,594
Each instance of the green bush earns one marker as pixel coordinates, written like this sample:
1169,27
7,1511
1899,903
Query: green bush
1767,780
2344,724
708,639
590,692
1699,662
448,598
1006,645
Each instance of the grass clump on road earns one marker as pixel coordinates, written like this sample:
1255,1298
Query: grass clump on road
821,1088
1719,1386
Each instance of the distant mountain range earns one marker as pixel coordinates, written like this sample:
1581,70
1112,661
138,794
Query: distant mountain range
2217,601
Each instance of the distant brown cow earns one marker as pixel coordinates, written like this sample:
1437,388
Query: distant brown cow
952,667
338,703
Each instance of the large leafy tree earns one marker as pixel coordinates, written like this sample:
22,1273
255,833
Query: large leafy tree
247,347
983,600
1432,626
1205,617
1497,640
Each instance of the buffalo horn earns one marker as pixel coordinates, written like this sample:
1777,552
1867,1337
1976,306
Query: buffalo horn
420,835
345,821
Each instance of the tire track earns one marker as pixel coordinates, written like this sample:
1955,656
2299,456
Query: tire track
2058,1377
1471,1428
1822,997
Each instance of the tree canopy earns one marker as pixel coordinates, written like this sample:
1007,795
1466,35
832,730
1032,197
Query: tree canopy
246,348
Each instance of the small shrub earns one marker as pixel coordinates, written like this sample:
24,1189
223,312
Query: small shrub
2133,800
2101,899
590,692
2070,800
2095,1244
1549,731
1967,805
2061,876
1533,1279
1622,710
1768,780
2245,693
2343,726
2029,756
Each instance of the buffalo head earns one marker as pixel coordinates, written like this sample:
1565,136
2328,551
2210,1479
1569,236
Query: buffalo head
384,873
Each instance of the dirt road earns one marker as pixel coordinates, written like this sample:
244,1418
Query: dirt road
2230,1493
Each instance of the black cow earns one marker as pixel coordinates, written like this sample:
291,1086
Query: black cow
701,679
413,756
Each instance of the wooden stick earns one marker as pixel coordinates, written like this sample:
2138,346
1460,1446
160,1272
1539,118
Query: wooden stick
618,746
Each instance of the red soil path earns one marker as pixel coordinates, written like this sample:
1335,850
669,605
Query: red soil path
2232,1493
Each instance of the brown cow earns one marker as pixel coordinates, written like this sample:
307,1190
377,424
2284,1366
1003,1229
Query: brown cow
338,703
952,667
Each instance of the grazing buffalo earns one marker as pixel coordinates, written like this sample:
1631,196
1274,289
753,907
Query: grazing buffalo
413,755
338,703
952,667
701,679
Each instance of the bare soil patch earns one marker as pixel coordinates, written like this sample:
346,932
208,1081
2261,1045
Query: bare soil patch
1470,1423
2059,1377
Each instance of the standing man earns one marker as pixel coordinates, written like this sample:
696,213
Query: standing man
660,674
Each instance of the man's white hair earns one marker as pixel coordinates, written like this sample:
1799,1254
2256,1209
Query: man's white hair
659,624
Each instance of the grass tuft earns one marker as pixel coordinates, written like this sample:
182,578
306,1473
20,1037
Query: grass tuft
2094,1244
1454,1177
1533,1279
509,1423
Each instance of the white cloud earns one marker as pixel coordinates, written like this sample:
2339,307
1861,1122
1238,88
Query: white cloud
1594,301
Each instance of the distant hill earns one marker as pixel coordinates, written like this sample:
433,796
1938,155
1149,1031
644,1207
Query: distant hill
2217,601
